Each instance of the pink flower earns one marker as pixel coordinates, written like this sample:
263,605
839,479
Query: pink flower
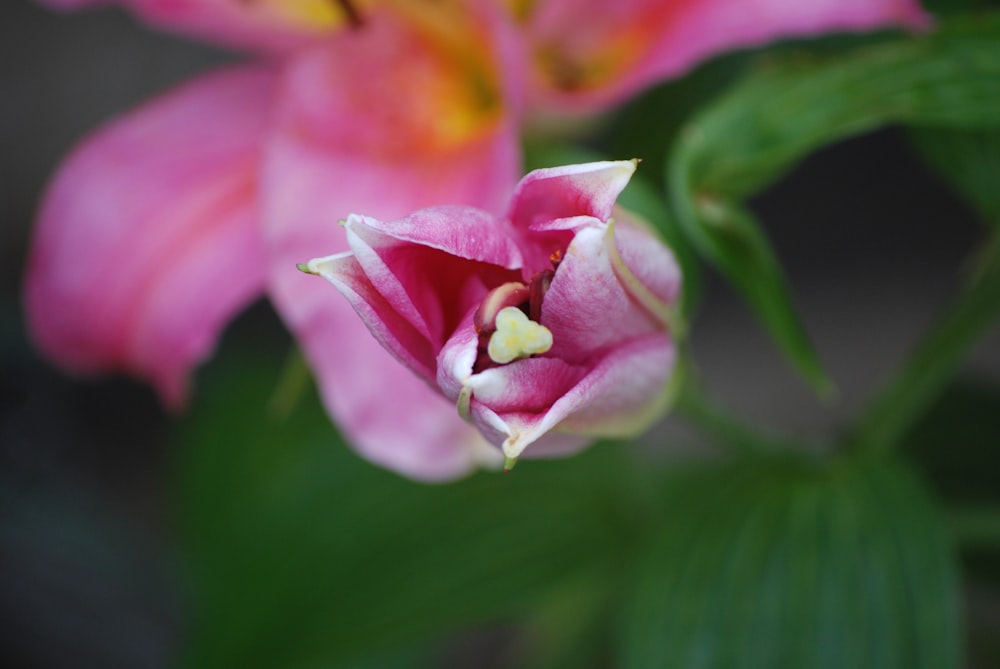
546,328
166,222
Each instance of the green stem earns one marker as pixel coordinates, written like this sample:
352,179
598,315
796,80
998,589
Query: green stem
929,368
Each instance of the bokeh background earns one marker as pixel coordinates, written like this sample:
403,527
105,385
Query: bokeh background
92,542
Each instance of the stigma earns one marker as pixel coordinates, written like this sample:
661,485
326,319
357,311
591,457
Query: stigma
517,337
509,321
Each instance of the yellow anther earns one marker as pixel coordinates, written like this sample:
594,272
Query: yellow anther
517,337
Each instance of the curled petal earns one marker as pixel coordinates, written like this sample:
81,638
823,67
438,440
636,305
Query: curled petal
434,265
553,193
461,231
390,416
147,240
587,307
619,396
384,159
396,334
550,204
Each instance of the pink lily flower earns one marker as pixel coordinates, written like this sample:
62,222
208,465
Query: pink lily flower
166,222
169,221
547,327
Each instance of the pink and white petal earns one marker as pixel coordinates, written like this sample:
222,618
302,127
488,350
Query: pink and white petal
620,396
590,189
531,385
396,334
647,257
456,360
387,414
430,287
586,308
147,241
379,161
460,231
497,430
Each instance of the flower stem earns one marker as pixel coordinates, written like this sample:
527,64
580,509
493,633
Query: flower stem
929,368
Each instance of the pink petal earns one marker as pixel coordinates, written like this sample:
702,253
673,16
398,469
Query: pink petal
433,285
522,390
388,414
373,138
587,308
590,189
640,42
646,256
460,231
550,203
620,396
147,240
710,27
393,331
527,386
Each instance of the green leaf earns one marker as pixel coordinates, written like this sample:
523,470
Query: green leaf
951,7
969,160
790,564
302,555
956,443
793,105
932,364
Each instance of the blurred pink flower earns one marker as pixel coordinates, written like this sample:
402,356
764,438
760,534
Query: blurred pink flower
547,327
162,225
165,223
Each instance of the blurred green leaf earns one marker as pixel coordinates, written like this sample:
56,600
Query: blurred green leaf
647,126
951,7
956,443
794,564
792,105
929,368
976,527
303,555
969,160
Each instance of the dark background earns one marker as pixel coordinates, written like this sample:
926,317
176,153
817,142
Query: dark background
873,243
